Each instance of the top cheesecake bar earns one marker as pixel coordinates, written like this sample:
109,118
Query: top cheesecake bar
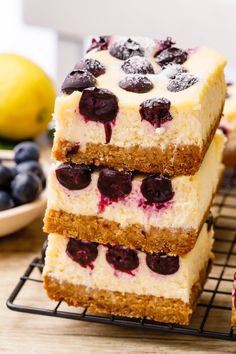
140,104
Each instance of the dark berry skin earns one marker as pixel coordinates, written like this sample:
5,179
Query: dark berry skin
156,111
6,201
82,252
73,177
137,65
157,189
136,83
122,258
182,82
92,65
26,151
114,184
99,105
167,43
125,50
162,263
6,176
100,43
25,188
34,167
78,80
43,251
210,221
171,55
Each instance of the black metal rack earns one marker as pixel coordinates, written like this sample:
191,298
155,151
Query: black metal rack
216,298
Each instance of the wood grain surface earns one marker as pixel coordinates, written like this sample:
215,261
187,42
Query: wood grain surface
25,333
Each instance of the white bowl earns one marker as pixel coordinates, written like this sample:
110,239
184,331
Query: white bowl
14,219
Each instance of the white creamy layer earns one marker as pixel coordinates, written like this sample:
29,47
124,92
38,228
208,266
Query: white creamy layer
228,120
143,282
193,195
194,110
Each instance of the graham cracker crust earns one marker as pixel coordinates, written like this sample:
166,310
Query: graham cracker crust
229,158
174,160
95,229
233,318
126,304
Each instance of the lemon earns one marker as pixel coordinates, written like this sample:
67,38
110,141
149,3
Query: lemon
26,98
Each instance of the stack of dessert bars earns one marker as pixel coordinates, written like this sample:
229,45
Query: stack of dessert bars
137,165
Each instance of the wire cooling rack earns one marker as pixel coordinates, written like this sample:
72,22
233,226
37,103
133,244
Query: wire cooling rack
212,317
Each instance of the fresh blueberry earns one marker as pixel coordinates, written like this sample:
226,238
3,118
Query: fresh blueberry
136,83
92,65
171,55
122,258
6,201
6,176
114,184
34,167
82,252
73,177
156,111
125,49
98,105
157,189
78,80
26,151
137,65
162,263
100,43
25,188
182,82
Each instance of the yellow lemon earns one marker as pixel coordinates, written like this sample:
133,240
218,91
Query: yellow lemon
26,98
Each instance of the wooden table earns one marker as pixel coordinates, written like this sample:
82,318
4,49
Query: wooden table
25,333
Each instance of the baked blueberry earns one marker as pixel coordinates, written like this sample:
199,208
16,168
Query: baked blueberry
125,49
78,80
98,104
156,111
25,188
137,65
114,184
136,83
100,43
82,252
157,189
162,263
171,55
26,151
6,176
181,82
34,167
164,44
210,221
92,65
73,177
122,258
6,201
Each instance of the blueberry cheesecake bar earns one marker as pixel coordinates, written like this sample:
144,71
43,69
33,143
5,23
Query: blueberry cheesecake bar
121,281
148,211
228,126
140,104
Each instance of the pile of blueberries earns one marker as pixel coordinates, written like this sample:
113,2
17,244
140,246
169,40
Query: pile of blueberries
22,183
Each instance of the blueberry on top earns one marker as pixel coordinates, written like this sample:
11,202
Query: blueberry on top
78,80
171,55
82,252
156,111
137,65
73,177
162,263
100,43
157,189
114,184
125,49
122,258
26,151
182,82
98,104
136,83
92,65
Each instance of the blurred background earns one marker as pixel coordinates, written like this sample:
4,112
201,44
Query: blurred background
52,32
